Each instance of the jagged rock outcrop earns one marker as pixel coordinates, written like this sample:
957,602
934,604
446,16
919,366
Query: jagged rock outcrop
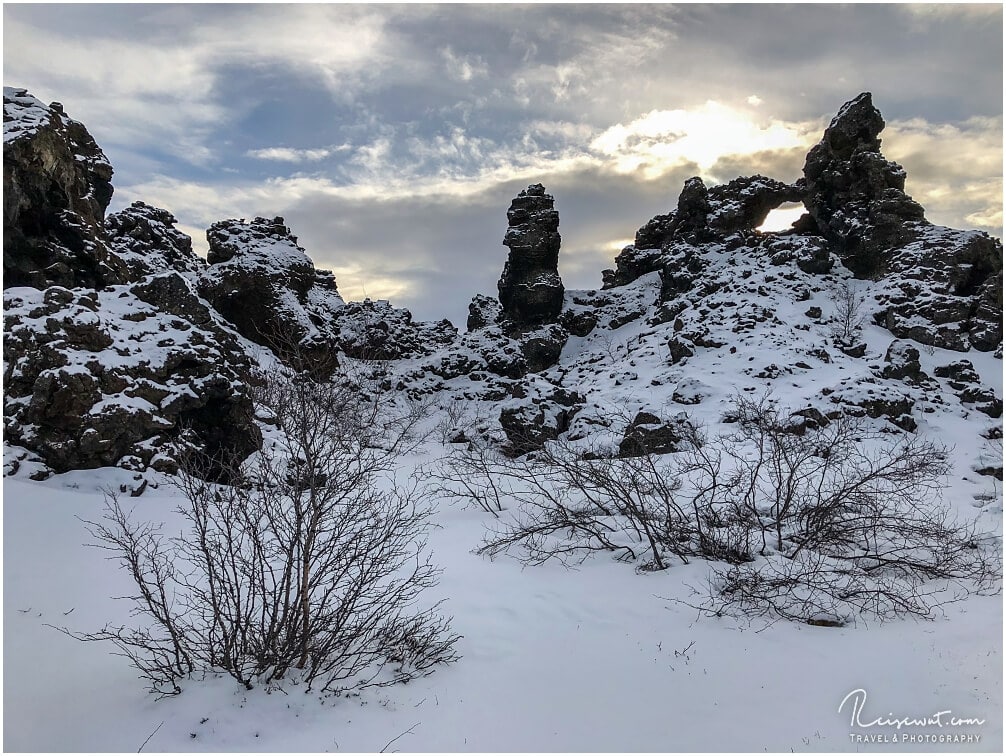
149,356
855,195
945,289
266,286
530,289
744,203
941,287
131,375
728,213
146,240
531,293
541,347
56,189
483,311
377,331
965,382
531,424
497,352
944,286
902,362
689,219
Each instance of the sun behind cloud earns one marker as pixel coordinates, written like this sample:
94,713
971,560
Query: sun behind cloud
664,139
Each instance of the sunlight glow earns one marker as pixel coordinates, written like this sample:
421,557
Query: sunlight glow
665,139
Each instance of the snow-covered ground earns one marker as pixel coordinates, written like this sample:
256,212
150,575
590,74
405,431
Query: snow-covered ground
593,659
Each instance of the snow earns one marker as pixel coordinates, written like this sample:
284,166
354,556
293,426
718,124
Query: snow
594,659
23,114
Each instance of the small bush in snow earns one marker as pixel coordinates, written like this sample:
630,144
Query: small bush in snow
565,506
849,313
310,568
831,524
819,524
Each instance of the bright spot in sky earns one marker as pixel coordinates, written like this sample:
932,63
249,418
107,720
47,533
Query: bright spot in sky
664,139
782,217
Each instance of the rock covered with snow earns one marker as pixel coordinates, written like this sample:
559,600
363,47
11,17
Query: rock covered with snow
701,307
531,294
537,417
130,375
376,330
945,289
965,382
530,289
649,434
263,283
903,362
728,213
943,286
57,185
146,240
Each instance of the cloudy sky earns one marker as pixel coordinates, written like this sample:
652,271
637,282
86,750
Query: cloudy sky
392,138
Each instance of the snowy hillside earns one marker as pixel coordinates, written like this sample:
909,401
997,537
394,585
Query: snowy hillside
695,509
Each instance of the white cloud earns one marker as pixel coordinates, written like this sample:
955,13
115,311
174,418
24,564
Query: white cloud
936,12
295,155
954,170
135,93
463,67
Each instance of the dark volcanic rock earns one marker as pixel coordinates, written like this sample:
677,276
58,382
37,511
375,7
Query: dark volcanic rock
263,283
529,427
965,382
985,324
943,286
483,311
530,289
542,347
727,213
146,240
945,289
902,362
856,196
500,354
130,375
578,321
375,330
648,434
959,372
689,219
56,189
744,203
877,400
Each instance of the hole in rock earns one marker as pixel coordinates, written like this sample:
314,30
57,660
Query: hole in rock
782,217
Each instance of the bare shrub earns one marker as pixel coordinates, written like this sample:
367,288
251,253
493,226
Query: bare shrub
567,504
459,422
819,524
842,520
310,568
849,315
472,474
